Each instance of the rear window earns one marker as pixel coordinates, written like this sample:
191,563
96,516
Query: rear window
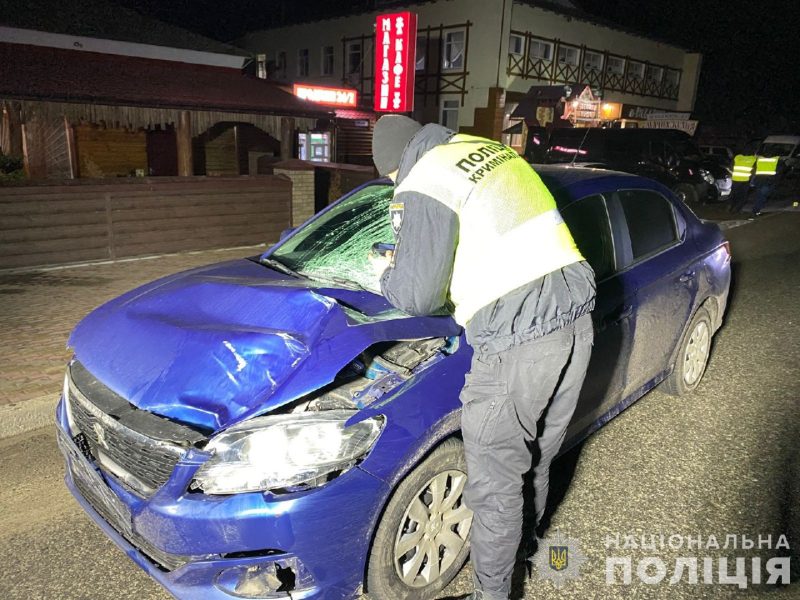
773,149
587,220
651,222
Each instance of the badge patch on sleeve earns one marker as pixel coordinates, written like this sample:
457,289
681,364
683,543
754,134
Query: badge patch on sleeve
396,215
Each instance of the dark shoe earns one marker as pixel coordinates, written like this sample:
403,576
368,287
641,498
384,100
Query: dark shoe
472,596
757,214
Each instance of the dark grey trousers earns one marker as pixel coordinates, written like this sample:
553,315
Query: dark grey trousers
504,396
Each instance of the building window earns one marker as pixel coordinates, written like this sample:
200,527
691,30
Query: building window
422,51
327,60
280,64
302,62
568,56
615,65
654,74
592,61
261,66
449,114
636,70
354,58
672,78
516,44
453,57
541,50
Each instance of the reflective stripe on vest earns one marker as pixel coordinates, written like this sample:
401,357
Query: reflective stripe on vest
767,166
743,167
510,231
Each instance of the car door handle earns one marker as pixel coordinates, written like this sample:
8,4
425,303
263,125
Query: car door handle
617,317
687,277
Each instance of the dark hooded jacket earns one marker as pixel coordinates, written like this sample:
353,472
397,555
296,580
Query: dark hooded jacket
419,280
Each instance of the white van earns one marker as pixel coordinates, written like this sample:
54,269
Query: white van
785,146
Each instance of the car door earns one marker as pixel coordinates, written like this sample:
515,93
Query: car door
588,221
660,266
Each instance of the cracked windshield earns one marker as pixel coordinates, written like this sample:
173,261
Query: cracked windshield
335,247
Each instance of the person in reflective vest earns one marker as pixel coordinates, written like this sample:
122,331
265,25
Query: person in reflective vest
478,234
743,165
768,171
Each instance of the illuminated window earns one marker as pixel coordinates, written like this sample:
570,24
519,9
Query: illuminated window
541,50
449,114
516,44
261,66
453,56
615,65
654,74
422,51
672,77
302,62
327,60
636,70
568,56
593,61
354,58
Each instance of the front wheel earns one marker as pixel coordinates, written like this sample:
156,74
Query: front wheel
692,358
422,539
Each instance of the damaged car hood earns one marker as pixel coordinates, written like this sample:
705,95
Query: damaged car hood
215,345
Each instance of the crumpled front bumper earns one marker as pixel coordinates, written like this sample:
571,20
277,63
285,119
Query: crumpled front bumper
324,533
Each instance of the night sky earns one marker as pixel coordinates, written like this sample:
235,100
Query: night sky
750,73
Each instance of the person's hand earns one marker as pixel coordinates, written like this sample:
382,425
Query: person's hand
380,262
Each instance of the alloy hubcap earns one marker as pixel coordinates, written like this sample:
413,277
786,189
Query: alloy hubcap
433,530
696,354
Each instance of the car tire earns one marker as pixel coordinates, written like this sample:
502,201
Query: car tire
417,520
687,193
692,357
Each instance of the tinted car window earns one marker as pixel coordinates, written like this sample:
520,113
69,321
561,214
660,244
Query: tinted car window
587,220
651,221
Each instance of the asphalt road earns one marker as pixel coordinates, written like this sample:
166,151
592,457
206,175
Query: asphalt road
725,460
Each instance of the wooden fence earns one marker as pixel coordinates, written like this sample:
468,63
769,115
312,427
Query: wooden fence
83,220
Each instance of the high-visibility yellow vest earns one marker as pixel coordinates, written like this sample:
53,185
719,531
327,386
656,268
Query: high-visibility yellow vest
767,165
743,167
510,231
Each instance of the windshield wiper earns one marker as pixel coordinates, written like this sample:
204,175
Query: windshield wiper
349,283
279,266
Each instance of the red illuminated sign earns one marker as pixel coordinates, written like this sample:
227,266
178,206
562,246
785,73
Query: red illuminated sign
395,55
326,95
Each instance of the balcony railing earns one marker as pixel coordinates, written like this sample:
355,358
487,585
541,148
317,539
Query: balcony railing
551,70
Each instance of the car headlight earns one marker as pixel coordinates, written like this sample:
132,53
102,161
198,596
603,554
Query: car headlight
706,175
281,451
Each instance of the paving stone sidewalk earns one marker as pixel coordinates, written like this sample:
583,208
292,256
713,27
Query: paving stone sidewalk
38,309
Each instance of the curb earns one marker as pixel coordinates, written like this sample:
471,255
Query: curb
26,416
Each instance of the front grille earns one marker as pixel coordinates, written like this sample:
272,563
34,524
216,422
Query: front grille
137,447
91,486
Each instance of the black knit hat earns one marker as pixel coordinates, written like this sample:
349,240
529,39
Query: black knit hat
389,138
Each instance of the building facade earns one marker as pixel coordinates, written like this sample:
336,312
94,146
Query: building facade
476,59
82,106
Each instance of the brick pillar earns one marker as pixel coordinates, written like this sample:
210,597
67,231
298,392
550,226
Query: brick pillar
302,176
488,120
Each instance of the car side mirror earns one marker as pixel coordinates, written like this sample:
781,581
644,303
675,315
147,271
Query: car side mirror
286,233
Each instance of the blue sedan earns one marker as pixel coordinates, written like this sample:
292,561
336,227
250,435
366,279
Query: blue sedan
271,427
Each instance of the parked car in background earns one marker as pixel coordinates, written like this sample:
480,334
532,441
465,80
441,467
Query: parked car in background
273,425
666,155
722,154
785,146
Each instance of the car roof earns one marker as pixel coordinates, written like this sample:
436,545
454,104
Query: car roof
782,139
572,182
569,183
